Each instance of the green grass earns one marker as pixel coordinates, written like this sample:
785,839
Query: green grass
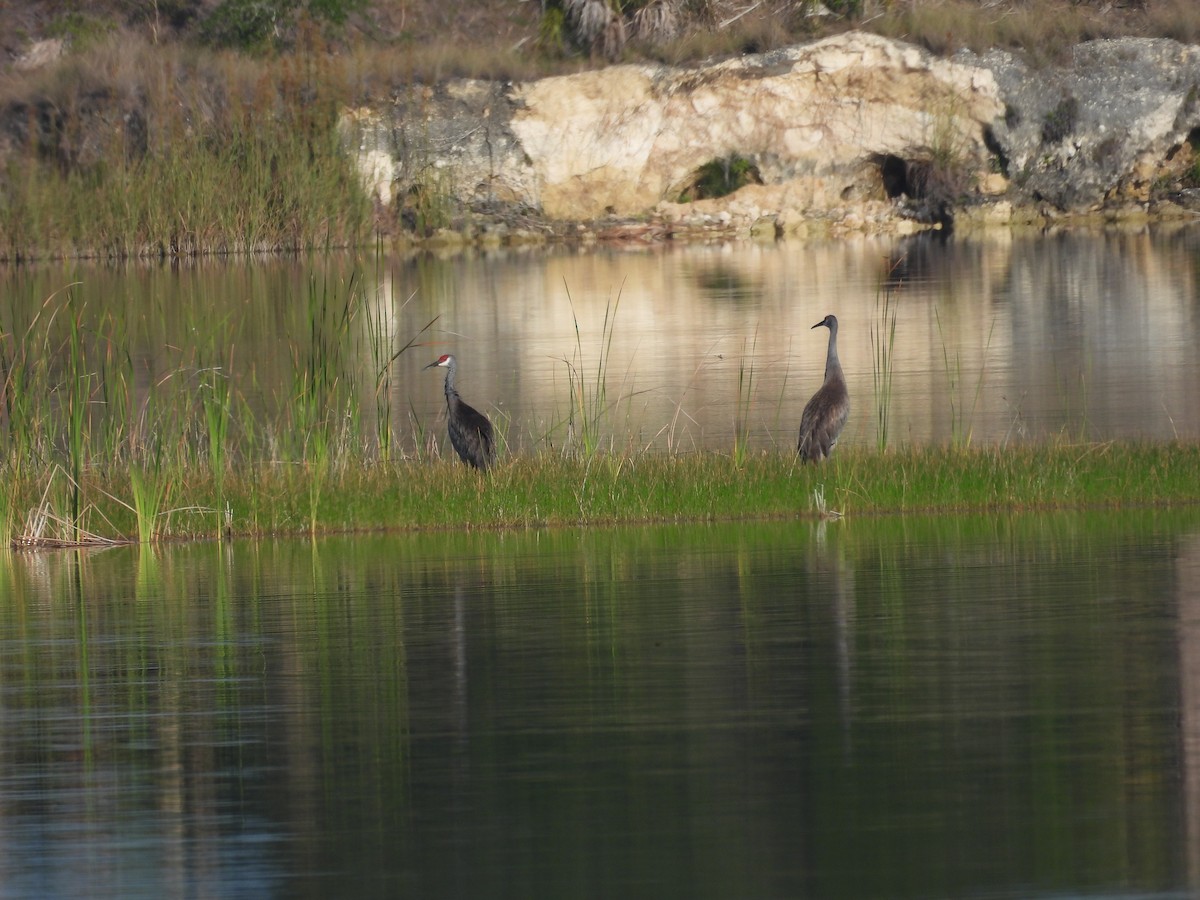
883,346
590,410
552,489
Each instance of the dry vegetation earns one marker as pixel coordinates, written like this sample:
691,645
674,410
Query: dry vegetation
428,39
163,126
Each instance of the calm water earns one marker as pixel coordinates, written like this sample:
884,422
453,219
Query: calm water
899,708
1002,338
891,708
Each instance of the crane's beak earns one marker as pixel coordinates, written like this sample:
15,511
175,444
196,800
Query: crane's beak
431,365
818,325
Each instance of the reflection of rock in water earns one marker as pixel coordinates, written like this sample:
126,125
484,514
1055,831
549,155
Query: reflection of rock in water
1029,321
1188,570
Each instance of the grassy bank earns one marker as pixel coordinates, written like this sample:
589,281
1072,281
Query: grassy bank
208,153
41,507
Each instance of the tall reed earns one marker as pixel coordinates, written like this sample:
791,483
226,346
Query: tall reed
378,340
589,407
148,490
383,383
883,344
78,396
218,411
8,511
322,390
745,401
961,420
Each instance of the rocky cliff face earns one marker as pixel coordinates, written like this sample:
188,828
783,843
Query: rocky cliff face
1102,132
851,132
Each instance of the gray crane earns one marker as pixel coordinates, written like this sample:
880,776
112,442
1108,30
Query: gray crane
470,430
825,415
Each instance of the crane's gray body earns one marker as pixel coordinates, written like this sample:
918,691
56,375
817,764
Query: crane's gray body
825,415
469,429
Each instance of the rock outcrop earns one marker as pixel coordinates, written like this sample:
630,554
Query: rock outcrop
1102,132
854,131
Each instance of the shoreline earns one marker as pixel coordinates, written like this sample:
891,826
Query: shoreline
700,228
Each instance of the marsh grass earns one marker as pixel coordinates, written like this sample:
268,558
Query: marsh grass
149,490
820,505
25,355
1074,393
883,343
379,342
745,401
549,489
323,402
8,514
216,401
78,397
256,167
961,418
70,414
45,526
590,412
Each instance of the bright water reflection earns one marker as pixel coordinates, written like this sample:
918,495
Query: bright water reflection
999,338
868,708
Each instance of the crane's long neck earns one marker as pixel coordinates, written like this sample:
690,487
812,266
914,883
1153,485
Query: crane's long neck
833,367
451,370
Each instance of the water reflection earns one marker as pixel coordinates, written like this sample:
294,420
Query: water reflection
999,338
1188,574
866,708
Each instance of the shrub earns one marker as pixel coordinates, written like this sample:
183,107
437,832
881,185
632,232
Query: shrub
720,177
261,24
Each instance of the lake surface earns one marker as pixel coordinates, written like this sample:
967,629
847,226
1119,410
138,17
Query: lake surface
1004,707
998,339
999,707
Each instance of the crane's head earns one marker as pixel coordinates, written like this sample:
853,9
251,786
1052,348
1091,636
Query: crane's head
445,359
829,322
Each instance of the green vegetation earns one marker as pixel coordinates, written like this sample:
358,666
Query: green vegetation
745,401
719,178
590,409
259,25
883,346
549,488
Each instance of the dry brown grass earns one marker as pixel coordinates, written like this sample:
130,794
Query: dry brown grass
1042,31
1178,19
129,93
391,45
126,148
428,42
